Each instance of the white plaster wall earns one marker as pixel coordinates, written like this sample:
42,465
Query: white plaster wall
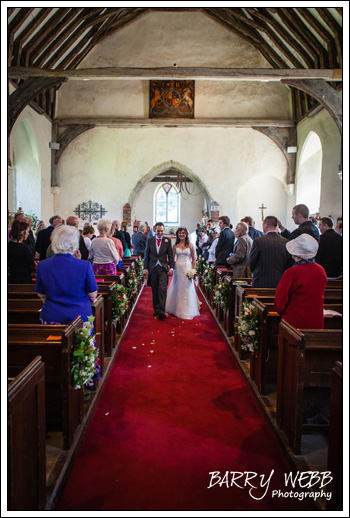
105,165
33,164
160,40
331,185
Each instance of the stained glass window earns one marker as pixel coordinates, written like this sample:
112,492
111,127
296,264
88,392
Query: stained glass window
167,204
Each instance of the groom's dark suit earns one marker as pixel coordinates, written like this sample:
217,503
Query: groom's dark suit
157,262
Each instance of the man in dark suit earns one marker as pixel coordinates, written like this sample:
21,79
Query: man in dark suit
43,240
269,257
330,252
119,234
300,216
139,241
158,258
226,241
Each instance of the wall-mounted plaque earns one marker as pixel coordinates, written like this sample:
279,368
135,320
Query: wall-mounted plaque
171,99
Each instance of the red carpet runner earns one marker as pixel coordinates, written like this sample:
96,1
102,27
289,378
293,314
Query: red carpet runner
174,409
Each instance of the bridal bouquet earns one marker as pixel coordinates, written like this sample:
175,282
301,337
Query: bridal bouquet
191,274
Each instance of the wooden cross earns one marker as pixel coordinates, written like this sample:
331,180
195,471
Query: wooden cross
262,211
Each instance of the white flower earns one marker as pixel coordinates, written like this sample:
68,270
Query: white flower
251,333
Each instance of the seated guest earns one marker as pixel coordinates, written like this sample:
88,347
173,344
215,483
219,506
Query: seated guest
19,257
211,250
104,253
252,232
330,252
241,251
300,293
300,216
66,285
268,257
139,241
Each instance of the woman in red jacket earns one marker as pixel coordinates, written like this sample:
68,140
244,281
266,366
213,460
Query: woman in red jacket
300,293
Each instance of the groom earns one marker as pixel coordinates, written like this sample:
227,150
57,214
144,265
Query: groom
158,257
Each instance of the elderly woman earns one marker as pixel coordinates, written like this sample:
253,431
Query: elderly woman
19,257
66,285
104,253
241,251
300,293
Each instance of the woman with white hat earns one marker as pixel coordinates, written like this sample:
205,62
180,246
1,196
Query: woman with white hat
300,293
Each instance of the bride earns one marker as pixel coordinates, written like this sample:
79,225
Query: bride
182,300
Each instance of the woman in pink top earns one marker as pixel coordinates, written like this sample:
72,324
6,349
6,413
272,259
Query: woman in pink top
104,253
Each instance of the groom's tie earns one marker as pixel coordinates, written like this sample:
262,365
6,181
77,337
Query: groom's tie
159,241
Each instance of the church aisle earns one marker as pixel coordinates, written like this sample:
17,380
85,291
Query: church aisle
175,409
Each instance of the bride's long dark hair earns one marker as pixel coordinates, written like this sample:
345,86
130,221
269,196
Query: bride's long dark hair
187,241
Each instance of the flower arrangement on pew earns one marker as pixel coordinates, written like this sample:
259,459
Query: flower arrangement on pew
208,277
85,361
220,294
132,281
191,274
120,303
248,327
139,268
200,264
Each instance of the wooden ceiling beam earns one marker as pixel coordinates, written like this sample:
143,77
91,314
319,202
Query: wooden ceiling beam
224,20
122,22
279,43
53,34
199,73
328,19
19,19
27,33
10,10
265,15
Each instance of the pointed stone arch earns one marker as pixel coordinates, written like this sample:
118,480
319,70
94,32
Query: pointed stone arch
162,168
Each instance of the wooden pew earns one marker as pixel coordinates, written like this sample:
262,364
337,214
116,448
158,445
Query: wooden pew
229,314
305,362
264,361
26,439
64,403
335,440
27,311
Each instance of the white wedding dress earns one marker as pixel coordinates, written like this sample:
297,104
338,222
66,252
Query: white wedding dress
182,300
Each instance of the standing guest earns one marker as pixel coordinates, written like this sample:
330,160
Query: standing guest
330,252
20,260
127,251
210,226
40,226
73,221
252,232
300,293
19,216
150,232
139,241
202,238
66,285
43,237
30,241
88,232
211,250
226,241
241,251
339,228
206,246
268,257
119,234
104,253
300,216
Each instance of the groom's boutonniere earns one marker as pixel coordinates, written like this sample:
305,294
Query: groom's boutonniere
166,240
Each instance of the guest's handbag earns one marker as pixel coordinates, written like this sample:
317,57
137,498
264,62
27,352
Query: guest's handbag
121,265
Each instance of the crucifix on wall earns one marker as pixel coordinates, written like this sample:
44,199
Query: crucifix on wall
262,208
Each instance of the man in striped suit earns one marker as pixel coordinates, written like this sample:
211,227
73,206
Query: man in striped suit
269,258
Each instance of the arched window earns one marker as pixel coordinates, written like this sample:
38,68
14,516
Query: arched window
308,181
167,204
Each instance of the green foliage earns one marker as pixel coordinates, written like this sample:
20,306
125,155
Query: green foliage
85,361
220,296
249,327
208,276
120,302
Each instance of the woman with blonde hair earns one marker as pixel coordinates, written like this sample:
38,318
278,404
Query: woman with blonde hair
104,253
